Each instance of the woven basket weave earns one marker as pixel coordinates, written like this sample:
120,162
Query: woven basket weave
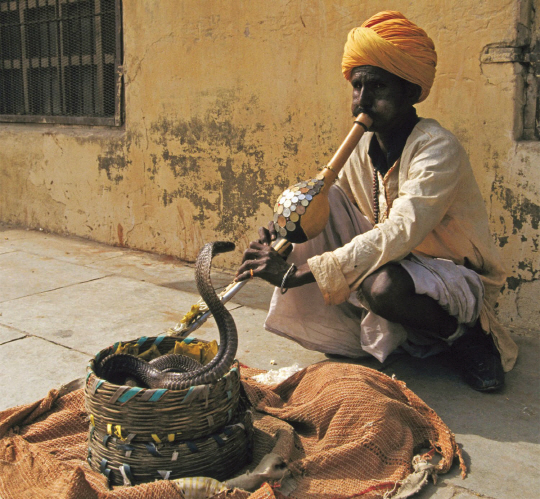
218,456
135,432
196,411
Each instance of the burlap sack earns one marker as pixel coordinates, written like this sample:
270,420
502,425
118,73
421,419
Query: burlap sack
344,430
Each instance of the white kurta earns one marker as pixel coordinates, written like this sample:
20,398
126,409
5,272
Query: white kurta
350,328
430,205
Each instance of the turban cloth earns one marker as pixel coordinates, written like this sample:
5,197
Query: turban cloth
390,41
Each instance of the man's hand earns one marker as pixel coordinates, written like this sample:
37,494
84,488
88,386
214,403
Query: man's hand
267,235
263,260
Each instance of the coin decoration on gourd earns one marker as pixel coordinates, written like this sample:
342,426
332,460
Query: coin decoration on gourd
301,213
302,210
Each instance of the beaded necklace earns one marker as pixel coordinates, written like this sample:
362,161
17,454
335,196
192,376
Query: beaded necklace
375,191
380,160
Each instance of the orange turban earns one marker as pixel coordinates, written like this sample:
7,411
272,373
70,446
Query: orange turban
390,41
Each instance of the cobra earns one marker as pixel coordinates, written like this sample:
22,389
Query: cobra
164,372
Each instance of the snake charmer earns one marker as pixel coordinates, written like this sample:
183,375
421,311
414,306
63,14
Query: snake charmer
406,261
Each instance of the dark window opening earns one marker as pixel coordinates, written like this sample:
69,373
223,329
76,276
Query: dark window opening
60,61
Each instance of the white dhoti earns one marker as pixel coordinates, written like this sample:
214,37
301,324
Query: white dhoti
350,328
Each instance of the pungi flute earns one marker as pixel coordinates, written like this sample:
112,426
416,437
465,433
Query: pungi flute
301,213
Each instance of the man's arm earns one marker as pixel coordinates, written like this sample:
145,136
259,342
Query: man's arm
433,175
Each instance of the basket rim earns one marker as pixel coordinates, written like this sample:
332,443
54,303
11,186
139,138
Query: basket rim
145,343
197,410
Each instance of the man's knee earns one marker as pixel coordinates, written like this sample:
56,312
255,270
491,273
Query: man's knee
386,288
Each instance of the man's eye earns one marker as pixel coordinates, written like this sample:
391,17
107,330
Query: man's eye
379,86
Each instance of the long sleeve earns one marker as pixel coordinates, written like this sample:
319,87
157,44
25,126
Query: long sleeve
430,174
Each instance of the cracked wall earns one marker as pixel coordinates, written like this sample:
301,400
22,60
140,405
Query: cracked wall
228,103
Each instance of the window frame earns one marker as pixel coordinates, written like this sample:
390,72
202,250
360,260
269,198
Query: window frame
531,107
117,119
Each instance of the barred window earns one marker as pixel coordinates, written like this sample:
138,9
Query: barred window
60,61
524,54
531,70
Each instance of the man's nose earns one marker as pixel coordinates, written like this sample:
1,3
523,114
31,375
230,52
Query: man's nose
365,97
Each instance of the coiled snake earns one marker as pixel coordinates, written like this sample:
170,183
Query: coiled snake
163,372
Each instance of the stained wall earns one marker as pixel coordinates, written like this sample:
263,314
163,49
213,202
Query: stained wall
227,103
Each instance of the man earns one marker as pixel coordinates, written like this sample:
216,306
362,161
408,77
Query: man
406,259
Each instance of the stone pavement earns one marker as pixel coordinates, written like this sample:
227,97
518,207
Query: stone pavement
63,299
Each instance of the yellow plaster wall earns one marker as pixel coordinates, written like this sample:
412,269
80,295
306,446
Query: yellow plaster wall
228,102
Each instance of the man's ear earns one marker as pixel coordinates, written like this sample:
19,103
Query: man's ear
413,91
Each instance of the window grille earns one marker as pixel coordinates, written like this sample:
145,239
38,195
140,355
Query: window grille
60,61
524,54
531,112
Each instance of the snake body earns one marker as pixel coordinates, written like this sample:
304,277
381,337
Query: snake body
165,373
175,362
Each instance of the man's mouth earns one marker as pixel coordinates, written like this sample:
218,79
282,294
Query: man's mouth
359,110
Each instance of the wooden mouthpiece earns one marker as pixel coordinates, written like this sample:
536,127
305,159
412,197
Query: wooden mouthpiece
361,125
302,210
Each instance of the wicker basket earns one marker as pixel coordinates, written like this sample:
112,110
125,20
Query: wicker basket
218,456
139,434
160,414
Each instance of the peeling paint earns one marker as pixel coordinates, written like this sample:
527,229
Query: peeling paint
521,209
114,160
513,283
523,212
112,166
218,164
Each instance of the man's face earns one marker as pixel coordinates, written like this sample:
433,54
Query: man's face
385,97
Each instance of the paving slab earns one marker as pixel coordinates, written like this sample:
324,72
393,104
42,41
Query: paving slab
11,238
66,249
8,233
2,251
24,274
450,492
92,315
30,367
155,269
255,294
510,415
259,348
8,238
158,269
498,470
498,432
9,334
171,273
